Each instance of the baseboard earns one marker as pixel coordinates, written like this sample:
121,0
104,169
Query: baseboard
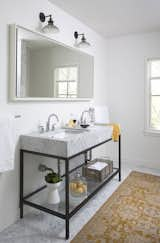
133,163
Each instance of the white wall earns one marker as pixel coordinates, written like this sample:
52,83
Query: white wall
26,13
127,89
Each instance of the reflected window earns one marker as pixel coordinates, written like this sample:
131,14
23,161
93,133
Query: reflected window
66,80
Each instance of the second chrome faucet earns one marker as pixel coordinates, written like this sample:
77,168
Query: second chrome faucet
48,125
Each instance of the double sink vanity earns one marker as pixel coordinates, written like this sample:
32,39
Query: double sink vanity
64,144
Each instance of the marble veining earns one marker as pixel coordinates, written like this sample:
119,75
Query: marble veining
67,145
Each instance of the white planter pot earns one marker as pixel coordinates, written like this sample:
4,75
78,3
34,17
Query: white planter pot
53,193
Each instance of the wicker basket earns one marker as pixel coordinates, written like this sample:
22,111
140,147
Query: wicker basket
98,175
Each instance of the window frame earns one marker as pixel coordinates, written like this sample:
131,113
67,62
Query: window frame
65,66
148,129
68,95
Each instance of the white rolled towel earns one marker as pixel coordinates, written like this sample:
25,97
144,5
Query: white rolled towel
7,143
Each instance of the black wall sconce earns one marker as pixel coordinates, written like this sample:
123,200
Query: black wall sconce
50,27
83,42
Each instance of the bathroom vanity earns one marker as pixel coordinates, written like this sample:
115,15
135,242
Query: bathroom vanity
64,145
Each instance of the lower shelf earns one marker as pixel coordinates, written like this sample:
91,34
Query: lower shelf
39,200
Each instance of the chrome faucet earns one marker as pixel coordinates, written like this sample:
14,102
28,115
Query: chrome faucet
90,115
83,118
49,120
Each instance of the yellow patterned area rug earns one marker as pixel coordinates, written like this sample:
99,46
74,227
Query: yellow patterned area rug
130,215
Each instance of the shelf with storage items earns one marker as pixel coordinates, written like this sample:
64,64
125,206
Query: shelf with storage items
68,205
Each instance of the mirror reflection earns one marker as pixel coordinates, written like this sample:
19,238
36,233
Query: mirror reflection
47,69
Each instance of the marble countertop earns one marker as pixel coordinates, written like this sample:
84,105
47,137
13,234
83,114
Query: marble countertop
64,143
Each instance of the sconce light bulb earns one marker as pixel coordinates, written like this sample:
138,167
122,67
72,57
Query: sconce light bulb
50,27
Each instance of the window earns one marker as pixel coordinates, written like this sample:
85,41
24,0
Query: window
154,94
66,79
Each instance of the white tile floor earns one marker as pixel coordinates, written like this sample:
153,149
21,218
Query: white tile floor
43,228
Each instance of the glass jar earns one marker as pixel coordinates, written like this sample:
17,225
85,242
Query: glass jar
78,186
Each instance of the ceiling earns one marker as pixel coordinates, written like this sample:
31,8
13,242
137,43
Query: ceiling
115,17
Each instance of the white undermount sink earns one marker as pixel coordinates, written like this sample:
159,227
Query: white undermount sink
75,130
63,133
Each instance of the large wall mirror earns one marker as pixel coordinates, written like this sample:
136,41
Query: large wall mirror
44,69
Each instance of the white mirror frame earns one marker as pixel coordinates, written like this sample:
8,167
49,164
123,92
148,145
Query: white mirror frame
13,68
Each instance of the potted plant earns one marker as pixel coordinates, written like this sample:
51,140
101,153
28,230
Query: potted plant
53,183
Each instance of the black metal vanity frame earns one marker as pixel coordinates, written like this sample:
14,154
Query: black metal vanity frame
24,199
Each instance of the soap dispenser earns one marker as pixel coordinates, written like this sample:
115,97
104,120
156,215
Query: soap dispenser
92,115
